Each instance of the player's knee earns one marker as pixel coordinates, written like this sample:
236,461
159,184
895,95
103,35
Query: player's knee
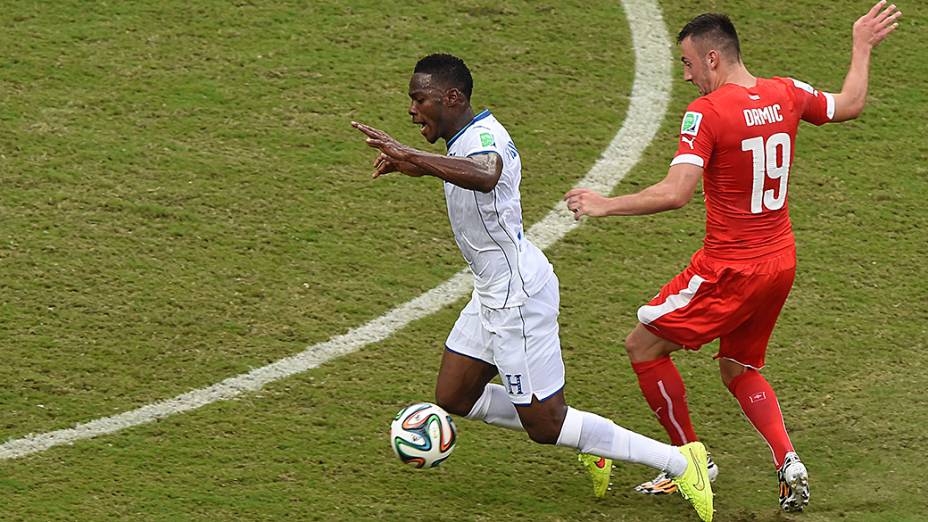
452,402
544,427
543,432
632,346
730,371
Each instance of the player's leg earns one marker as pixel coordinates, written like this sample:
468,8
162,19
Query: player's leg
463,386
527,351
759,404
742,352
551,421
660,382
663,389
682,314
686,312
762,408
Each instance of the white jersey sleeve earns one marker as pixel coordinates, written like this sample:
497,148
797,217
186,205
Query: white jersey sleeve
480,139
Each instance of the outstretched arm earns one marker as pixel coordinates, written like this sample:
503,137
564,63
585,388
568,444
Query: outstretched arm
869,30
674,191
480,172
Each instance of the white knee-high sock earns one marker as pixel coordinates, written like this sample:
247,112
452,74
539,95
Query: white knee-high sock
494,407
596,435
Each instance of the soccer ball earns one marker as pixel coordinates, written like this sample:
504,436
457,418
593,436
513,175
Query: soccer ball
422,435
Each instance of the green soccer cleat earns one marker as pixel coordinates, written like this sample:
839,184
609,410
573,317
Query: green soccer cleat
600,470
694,484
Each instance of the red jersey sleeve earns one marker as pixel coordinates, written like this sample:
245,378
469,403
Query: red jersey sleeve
814,106
697,134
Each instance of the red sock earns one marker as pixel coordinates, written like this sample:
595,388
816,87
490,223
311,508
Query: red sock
760,406
665,392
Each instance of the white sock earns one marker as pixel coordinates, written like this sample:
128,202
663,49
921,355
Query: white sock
494,407
596,435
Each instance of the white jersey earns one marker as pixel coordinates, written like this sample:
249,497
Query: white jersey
487,227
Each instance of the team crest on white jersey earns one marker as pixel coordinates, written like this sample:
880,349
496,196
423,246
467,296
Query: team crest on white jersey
691,121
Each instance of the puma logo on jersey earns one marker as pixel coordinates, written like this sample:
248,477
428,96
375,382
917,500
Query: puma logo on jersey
768,114
688,141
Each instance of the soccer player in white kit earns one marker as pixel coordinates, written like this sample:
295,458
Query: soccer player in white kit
509,328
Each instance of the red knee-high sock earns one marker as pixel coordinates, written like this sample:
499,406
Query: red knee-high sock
760,406
663,388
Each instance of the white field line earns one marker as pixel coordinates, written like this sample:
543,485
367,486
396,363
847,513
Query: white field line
648,104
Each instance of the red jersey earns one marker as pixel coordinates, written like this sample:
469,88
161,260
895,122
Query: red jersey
744,139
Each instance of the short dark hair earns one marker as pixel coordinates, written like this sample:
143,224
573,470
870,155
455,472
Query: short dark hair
448,70
715,28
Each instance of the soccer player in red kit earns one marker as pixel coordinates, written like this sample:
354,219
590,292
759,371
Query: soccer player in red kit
739,138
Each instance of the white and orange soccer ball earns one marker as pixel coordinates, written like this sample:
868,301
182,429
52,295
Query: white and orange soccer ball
422,435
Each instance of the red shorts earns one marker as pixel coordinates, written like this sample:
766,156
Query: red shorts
736,302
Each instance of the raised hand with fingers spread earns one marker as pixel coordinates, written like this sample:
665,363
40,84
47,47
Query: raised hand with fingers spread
873,27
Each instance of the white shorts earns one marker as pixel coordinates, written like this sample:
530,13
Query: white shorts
522,342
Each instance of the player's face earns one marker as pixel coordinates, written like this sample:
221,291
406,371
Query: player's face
427,106
695,68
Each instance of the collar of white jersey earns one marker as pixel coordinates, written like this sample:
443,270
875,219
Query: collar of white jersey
483,114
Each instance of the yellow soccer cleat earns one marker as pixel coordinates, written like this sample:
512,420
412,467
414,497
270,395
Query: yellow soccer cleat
600,470
694,484
663,484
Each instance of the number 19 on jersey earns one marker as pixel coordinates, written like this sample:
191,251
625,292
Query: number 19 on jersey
767,165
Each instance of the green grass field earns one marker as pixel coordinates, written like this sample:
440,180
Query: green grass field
183,200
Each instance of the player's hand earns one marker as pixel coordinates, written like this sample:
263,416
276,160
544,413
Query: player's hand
384,164
387,145
871,28
585,202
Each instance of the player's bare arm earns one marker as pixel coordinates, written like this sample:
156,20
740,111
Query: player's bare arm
479,172
673,192
869,30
